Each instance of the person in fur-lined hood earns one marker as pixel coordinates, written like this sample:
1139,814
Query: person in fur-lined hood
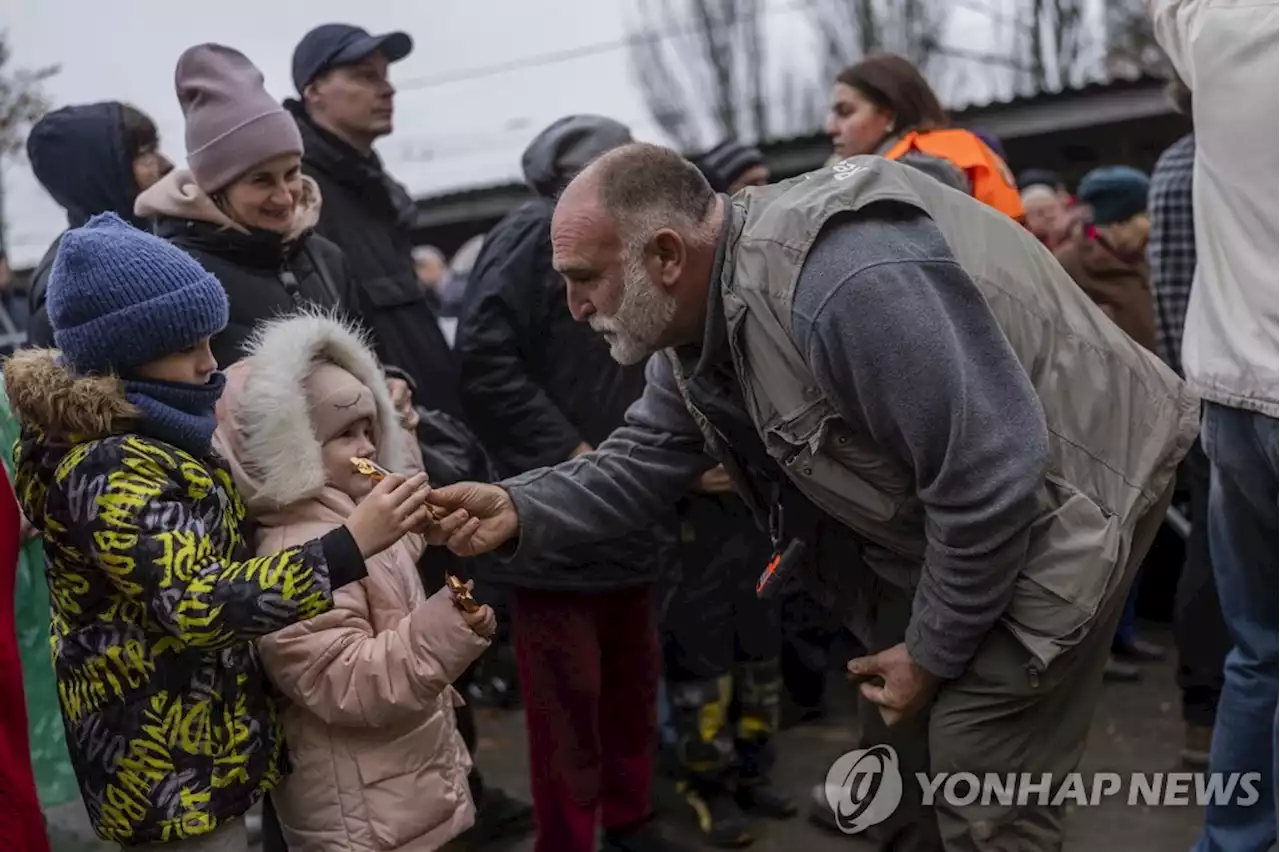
378,763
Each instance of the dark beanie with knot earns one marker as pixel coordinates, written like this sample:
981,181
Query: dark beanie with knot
727,162
1114,193
566,147
232,123
120,297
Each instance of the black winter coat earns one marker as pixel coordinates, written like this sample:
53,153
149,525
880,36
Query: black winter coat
263,277
536,384
369,216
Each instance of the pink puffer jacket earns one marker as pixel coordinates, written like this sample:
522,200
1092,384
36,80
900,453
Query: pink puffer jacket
377,763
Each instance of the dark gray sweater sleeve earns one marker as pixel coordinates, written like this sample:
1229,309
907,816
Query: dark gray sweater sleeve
638,473
901,340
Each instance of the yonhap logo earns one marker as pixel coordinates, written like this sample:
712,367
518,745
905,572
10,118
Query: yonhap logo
864,787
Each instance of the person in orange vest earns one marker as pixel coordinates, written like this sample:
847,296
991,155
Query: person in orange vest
883,105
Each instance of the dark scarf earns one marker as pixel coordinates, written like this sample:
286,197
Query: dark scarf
177,413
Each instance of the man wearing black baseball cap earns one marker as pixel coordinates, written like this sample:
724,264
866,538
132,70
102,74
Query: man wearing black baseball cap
346,102
331,45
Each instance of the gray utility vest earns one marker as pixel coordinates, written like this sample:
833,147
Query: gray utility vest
1119,421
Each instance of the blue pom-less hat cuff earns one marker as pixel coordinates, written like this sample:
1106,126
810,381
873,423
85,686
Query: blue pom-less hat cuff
147,331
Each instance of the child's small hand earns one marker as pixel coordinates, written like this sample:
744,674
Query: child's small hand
483,622
394,507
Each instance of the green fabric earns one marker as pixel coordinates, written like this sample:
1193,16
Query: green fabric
55,779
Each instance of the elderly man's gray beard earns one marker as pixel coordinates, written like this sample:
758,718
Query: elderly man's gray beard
637,327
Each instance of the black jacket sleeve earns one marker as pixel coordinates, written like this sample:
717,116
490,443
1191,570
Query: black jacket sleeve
503,316
39,329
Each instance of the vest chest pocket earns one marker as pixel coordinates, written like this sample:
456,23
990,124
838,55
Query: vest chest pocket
841,474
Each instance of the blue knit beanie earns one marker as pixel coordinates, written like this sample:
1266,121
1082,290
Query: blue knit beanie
119,297
1114,193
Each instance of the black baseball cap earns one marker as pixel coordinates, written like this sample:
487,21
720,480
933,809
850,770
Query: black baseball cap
332,45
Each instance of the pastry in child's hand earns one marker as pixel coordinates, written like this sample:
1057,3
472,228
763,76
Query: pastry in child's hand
461,594
377,473
368,468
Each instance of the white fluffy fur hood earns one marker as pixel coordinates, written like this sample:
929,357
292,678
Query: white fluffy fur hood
264,423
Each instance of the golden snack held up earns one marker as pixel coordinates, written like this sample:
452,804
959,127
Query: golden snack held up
461,594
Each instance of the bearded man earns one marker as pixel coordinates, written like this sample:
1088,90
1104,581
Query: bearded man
908,390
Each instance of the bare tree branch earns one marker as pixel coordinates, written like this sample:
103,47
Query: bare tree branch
850,29
702,69
22,99
663,92
1131,47
22,102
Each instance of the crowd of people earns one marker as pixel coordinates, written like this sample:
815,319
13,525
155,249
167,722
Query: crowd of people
688,433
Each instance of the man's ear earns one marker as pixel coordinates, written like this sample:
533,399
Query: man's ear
310,94
670,252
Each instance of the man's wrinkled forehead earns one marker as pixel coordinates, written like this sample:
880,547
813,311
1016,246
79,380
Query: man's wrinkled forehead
582,232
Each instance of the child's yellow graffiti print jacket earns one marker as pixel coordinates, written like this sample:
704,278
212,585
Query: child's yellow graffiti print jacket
155,604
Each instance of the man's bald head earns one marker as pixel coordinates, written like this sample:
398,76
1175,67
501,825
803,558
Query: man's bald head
634,235
644,188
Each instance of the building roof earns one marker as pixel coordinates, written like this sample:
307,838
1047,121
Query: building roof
1090,105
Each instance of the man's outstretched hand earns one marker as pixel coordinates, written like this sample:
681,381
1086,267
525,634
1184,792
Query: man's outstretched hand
488,505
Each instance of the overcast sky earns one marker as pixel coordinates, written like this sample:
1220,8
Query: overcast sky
449,134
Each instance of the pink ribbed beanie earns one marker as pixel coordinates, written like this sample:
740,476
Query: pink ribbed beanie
232,123
337,399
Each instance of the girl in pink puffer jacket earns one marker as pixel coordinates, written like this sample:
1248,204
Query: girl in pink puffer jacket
377,761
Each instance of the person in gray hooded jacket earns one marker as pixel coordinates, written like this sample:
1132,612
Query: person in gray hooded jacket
539,388
904,385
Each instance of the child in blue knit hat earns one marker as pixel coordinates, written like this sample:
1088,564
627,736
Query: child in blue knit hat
155,599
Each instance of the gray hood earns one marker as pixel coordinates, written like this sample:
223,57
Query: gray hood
566,147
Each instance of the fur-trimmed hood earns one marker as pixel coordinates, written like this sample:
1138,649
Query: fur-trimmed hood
55,410
264,421
44,395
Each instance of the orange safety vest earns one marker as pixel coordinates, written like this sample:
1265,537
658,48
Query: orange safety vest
990,178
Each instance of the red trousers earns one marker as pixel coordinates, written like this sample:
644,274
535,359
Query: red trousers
589,668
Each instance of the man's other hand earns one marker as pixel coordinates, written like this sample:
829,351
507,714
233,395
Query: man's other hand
493,516
402,399
715,481
906,686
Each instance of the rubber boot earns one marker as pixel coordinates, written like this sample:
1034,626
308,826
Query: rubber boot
704,746
759,688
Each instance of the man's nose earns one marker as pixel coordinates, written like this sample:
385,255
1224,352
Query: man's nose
579,305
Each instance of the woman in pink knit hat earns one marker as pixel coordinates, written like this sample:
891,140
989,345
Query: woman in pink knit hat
243,207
